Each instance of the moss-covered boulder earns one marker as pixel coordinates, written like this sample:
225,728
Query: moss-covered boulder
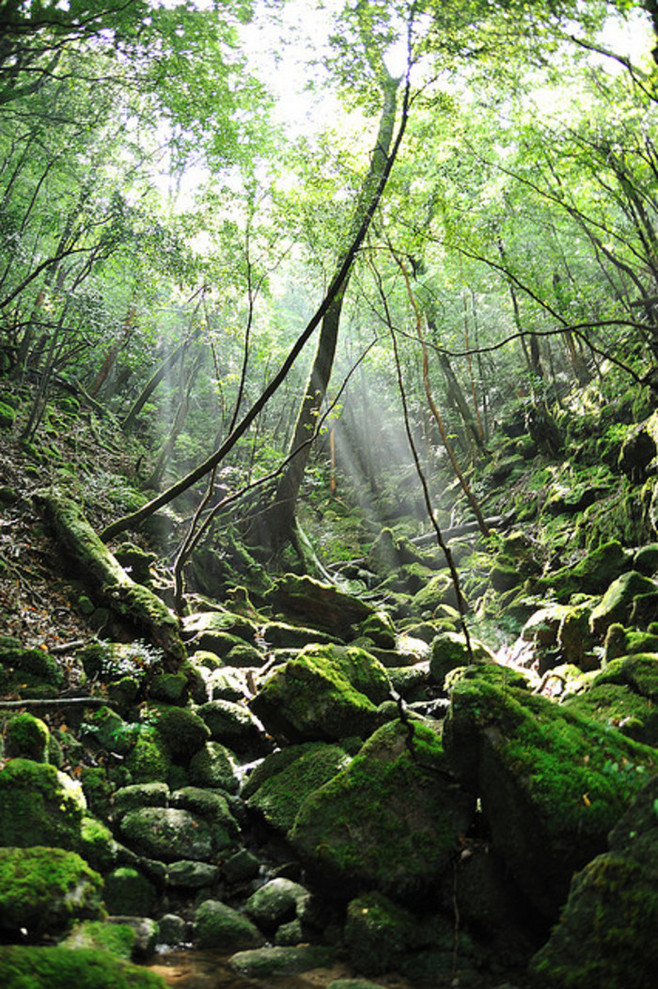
129,893
591,575
182,731
263,963
210,804
283,780
97,935
32,665
148,759
220,631
617,602
45,890
319,605
277,902
26,737
391,820
377,933
450,650
214,766
40,806
169,833
324,693
61,968
234,725
7,416
606,934
222,928
437,591
552,782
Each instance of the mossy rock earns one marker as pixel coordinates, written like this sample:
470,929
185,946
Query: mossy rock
227,622
380,628
37,663
450,650
606,934
278,787
169,834
277,902
214,766
322,606
638,672
552,782
591,575
209,804
97,935
45,890
148,760
341,832
617,602
221,928
26,737
97,845
61,968
7,416
324,693
182,731
155,794
377,933
169,688
496,673
234,725
619,707
128,893
192,875
281,635
106,730
40,806
437,591
262,963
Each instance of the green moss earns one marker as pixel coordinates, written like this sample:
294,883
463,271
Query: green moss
60,968
617,602
39,806
148,761
97,845
279,786
222,928
341,828
377,932
118,939
128,893
7,416
27,737
182,731
46,889
639,672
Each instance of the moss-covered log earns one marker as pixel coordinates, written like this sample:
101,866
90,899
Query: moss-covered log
135,606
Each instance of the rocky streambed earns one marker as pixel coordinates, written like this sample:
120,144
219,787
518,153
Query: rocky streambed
326,790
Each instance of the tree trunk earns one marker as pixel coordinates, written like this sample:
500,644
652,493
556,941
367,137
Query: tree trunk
277,526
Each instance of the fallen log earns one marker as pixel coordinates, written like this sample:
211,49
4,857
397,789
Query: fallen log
133,605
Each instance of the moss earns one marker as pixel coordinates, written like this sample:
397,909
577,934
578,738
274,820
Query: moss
279,786
170,688
39,806
118,939
46,889
617,602
341,831
106,730
326,692
222,928
128,893
214,766
148,761
591,575
97,846
449,650
182,731
27,737
377,932
7,416
61,968
262,963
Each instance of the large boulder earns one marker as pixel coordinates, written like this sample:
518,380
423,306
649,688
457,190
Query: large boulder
391,820
40,806
324,693
45,890
222,928
618,601
61,968
606,934
170,833
552,782
280,784
321,605
234,725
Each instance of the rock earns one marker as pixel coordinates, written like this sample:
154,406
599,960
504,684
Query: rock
61,968
341,832
37,665
97,846
130,893
552,782
377,933
170,688
209,804
241,867
106,730
201,626
354,984
449,650
173,930
280,635
261,963
222,928
380,629
45,890
146,933
234,725
214,766
148,760
182,731
280,784
140,795
591,575
26,737
192,875
40,806
325,693
169,834
437,591
323,606
118,939
617,602
606,933
646,559
277,902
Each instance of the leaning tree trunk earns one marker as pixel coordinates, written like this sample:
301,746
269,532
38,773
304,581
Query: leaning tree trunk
277,525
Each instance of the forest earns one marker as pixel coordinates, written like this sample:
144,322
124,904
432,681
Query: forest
328,494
